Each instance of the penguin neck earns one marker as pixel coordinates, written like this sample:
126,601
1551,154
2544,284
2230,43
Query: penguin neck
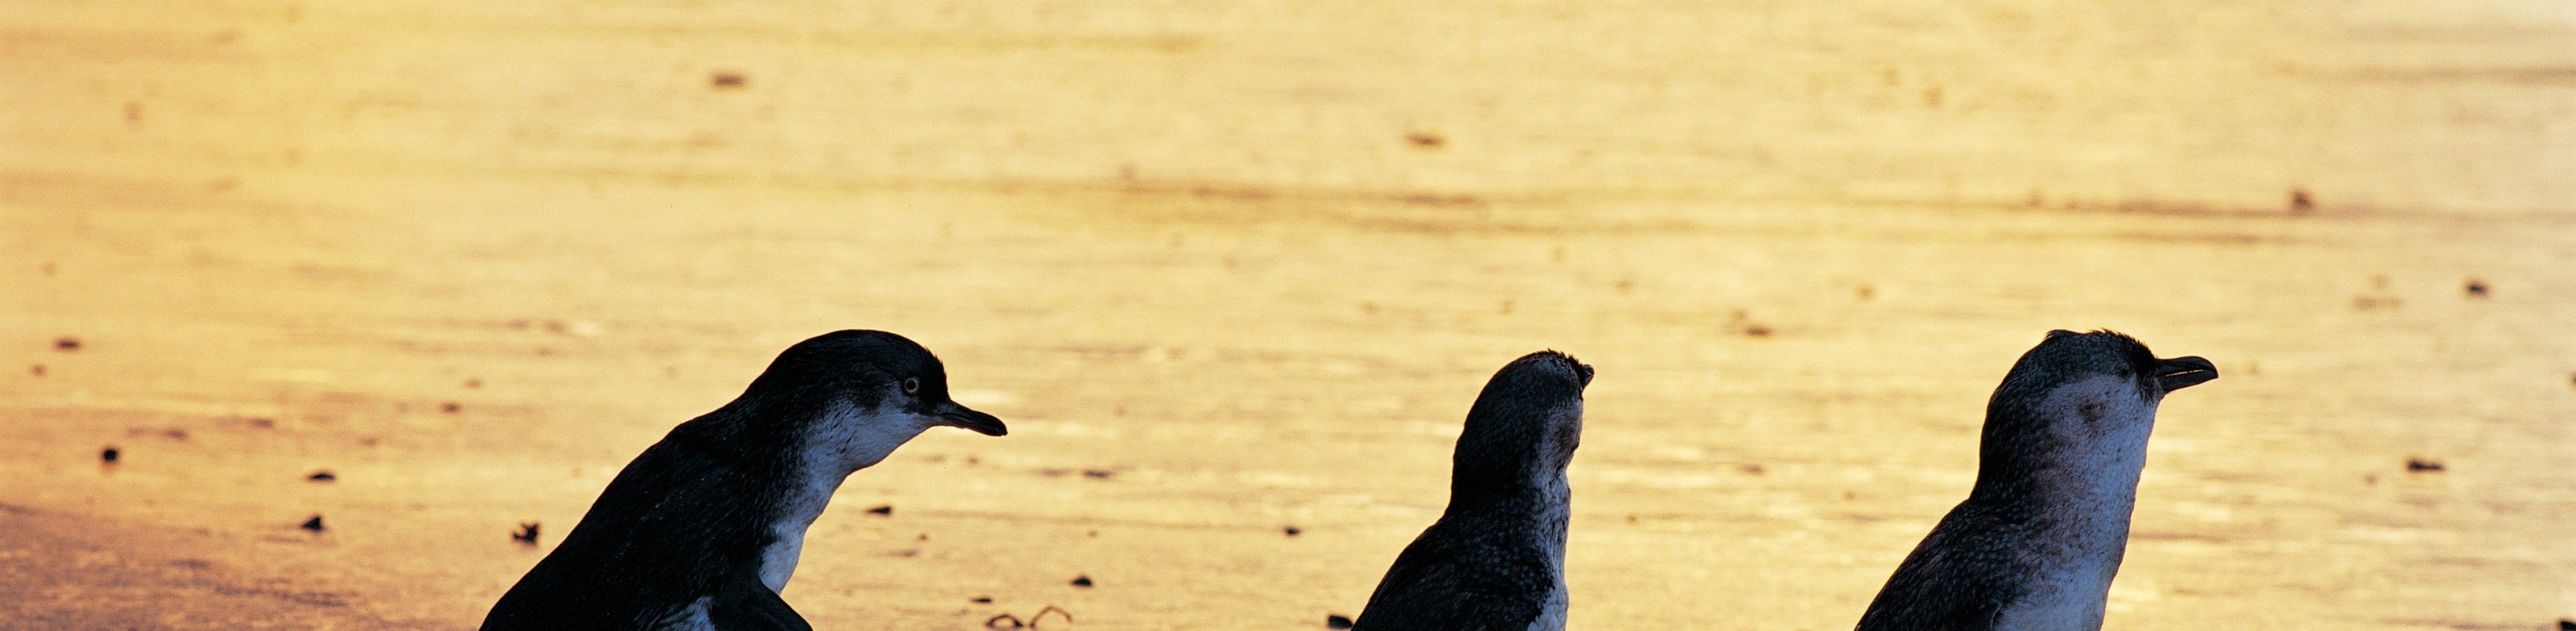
1527,488
2070,465
840,442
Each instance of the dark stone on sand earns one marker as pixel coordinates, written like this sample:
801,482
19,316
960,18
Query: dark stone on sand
1098,474
67,344
1292,531
313,523
2476,288
109,455
1337,621
322,476
2423,465
882,509
1082,581
527,533
981,600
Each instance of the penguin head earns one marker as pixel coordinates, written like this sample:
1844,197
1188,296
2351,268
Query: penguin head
2064,357
1528,420
871,389
2082,395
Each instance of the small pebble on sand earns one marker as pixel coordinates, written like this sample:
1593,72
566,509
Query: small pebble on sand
527,534
1082,581
882,509
1292,531
67,344
2423,465
322,476
1337,621
109,455
313,523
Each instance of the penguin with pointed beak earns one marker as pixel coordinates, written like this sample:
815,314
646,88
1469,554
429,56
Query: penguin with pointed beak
703,529
2041,534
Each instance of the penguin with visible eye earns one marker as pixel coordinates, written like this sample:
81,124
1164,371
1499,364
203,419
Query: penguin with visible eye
2040,536
1496,559
703,529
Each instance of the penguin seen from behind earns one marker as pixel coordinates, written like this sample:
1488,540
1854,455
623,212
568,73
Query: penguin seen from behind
1495,561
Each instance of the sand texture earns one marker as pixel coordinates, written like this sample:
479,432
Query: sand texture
1228,268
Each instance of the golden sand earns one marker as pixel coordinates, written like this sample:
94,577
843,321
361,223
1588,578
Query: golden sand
1228,268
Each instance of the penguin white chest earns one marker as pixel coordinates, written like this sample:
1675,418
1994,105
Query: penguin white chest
778,560
1559,512
2089,510
787,536
690,618
840,443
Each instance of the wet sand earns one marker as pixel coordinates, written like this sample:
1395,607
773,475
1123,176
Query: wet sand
1230,268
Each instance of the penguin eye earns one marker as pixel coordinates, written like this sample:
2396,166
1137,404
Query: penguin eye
911,385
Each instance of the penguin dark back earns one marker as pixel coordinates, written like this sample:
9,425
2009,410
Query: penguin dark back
1496,557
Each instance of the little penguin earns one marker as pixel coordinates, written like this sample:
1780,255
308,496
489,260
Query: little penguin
1496,559
2036,543
701,531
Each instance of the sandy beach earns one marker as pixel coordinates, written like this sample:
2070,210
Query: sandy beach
1232,268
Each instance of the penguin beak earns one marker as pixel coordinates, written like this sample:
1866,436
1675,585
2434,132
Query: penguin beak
954,415
2184,372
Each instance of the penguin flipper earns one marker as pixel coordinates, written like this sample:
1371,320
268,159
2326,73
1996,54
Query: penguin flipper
747,605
